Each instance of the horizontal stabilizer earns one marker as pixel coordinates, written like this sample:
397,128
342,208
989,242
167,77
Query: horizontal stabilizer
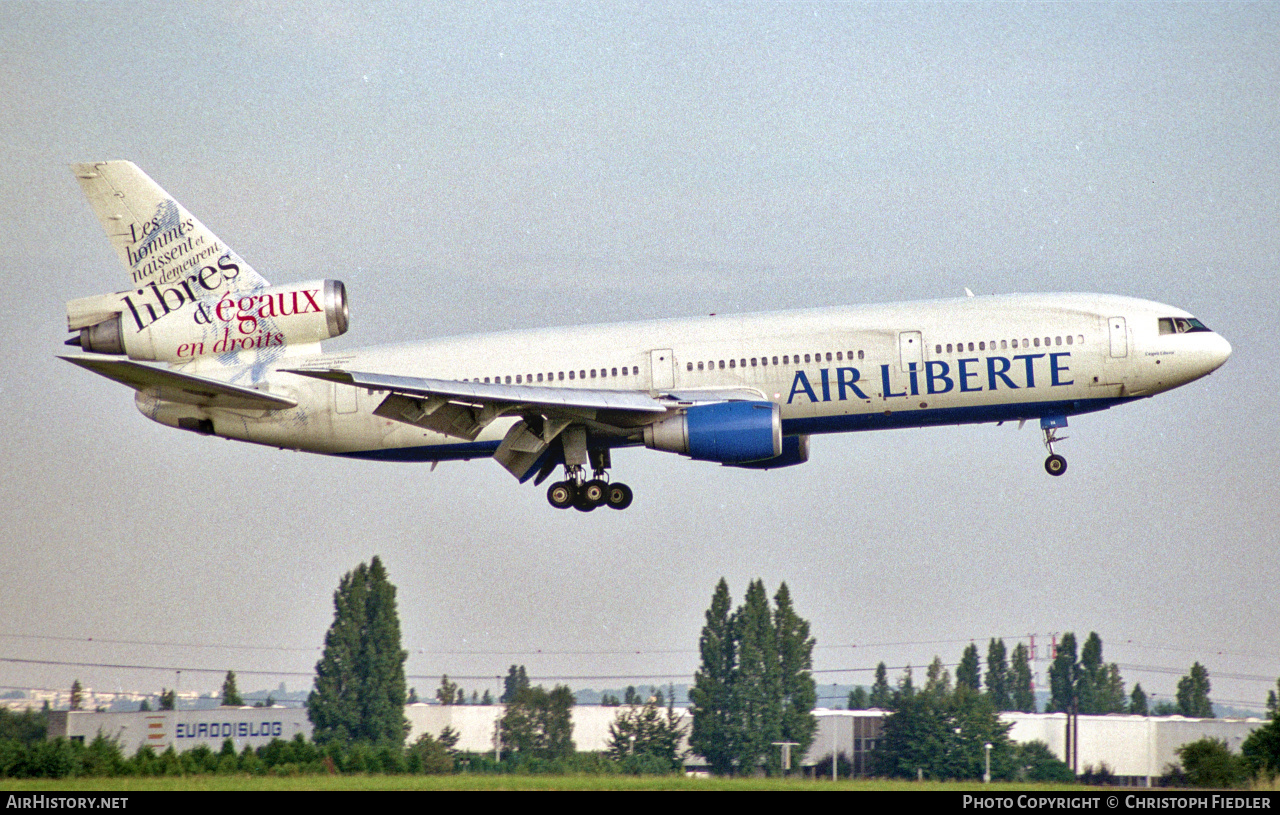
172,386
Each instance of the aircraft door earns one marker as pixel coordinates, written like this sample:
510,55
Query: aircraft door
1119,337
910,350
662,368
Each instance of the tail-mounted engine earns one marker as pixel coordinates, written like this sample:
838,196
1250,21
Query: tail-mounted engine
182,322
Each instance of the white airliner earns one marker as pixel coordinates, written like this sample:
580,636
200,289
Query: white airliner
210,347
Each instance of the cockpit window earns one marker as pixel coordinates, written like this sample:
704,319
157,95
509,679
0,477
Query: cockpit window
1181,325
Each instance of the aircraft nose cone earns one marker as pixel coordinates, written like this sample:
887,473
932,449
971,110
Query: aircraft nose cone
1218,350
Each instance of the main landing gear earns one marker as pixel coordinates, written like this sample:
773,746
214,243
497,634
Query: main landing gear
1054,464
585,495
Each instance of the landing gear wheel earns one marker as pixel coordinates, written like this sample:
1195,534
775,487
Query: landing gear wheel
594,491
618,496
1055,465
590,495
562,494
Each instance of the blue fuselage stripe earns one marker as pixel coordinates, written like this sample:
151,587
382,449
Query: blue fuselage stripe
852,422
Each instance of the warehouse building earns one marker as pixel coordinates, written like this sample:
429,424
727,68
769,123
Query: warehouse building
1136,749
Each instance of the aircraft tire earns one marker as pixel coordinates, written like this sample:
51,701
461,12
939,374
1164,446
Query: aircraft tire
594,492
562,494
618,496
1055,465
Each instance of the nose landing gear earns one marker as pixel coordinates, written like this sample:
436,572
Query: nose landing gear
1055,464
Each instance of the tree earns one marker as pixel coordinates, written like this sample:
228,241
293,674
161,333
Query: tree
969,671
230,694
1193,693
168,699
757,688
943,736
516,681
714,733
1063,676
1138,701
1262,748
997,679
858,699
646,737
538,723
360,688
1209,763
77,695
755,685
906,687
448,693
1273,700
1021,692
1101,690
881,694
937,679
796,683
1034,761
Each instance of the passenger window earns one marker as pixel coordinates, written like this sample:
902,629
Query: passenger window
1037,342
1069,339
571,374
690,367
731,362
859,355
828,356
806,357
753,362
1057,340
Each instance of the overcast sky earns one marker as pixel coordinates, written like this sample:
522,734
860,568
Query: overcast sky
524,165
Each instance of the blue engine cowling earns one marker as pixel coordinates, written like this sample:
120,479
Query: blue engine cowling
727,432
795,450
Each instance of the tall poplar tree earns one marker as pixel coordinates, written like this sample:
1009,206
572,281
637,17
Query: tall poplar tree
755,685
798,688
757,690
1063,676
360,688
969,671
714,734
881,692
997,679
1021,691
230,693
1193,693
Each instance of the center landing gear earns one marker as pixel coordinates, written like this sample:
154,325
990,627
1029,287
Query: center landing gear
1054,464
585,495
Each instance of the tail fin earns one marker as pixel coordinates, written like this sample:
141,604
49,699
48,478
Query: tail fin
157,239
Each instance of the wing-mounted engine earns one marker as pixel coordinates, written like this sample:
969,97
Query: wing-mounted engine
190,319
726,432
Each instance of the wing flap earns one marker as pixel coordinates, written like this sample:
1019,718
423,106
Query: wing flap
464,409
172,386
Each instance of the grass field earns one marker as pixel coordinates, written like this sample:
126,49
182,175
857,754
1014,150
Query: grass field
490,782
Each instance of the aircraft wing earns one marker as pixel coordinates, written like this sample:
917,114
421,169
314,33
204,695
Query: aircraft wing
463,409
179,387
